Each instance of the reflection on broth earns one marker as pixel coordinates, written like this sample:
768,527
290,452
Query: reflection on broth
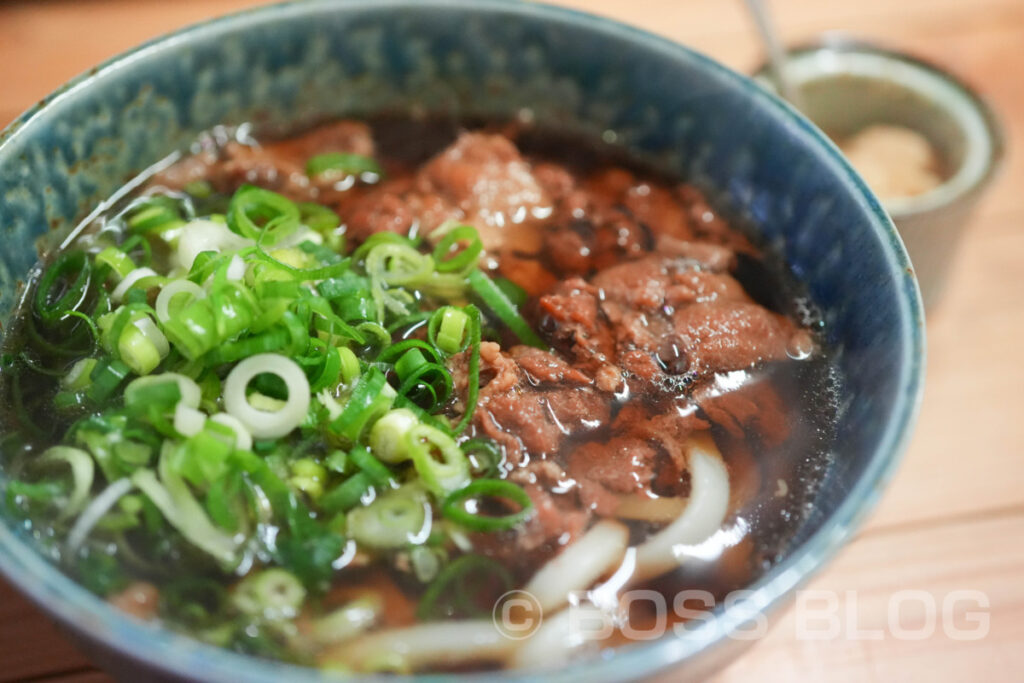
327,399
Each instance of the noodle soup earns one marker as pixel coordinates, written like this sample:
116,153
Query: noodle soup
329,399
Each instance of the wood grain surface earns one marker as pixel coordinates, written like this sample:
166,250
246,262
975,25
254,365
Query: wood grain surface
953,520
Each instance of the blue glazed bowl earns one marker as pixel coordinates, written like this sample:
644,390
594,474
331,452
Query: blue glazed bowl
284,65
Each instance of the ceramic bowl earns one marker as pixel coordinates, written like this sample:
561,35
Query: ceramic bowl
284,65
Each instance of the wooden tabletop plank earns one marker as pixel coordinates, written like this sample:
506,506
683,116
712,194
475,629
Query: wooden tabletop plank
30,645
878,575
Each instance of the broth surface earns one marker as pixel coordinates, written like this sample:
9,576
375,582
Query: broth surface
665,327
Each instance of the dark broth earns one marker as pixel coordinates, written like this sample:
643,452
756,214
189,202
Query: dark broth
783,478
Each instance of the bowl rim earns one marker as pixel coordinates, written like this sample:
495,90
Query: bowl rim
181,656
952,190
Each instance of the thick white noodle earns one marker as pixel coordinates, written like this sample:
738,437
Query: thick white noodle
563,633
560,636
642,508
597,553
94,512
264,424
424,645
704,514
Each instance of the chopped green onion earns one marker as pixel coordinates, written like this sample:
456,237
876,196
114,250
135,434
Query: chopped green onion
106,376
484,455
473,382
516,294
466,258
81,466
396,520
308,476
155,214
454,507
438,459
451,593
188,390
200,189
388,435
262,215
118,261
77,378
169,300
142,345
64,286
342,164
370,399
267,424
346,495
503,308
319,218
172,496
272,594
349,365
447,329
378,473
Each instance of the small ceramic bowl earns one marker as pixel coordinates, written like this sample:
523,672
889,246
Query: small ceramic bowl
283,66
847,85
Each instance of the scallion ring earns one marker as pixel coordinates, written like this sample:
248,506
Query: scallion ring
454,505
170,291
445,261
264,424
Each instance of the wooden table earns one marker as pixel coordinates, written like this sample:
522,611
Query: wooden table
954,517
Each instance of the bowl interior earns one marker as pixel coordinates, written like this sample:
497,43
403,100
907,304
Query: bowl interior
281,66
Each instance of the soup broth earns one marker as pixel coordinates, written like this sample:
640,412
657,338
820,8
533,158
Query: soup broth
329,399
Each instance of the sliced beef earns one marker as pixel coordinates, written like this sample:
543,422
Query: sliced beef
664,321
526,271
527,419
480,179
730,335
671,423
543,367
586,235
572,320
484,175
557,520
656,281
711,257
395,206
485,178
346,136
668,425
530,400
605,471
755,408
234,164
278,166
707,225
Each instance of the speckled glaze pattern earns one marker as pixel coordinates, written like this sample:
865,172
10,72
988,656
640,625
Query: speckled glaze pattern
283,66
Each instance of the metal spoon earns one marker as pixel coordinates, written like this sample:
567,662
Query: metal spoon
776,53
